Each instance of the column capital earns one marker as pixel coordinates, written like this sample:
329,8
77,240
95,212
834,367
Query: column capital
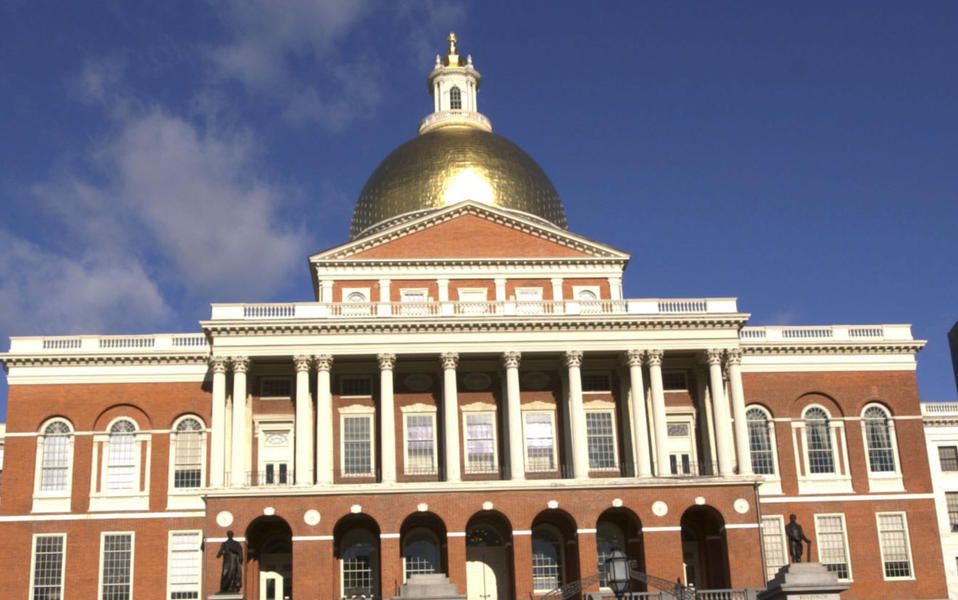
510,360
653,358
713,356
240,364
633,358
218,364
323,362
733,356
449,360
386,361
572,358
301,363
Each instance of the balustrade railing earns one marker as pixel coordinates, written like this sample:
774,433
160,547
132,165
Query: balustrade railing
825,333
939,408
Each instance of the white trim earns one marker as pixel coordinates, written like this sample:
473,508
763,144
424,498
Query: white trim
662,528
881,547
389,536
839,480
521,532
33,561
455,534
742,526
357,412
313,538
132,535
818,541
186,497
882,481
846,498
592,530
772,482
58,500
169,559
102,516
223,539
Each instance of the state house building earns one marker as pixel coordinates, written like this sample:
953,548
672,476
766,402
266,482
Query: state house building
469,393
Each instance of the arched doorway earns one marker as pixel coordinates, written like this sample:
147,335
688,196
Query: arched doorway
356,540
270,574
488,557
555,554
705,549
423,545
620,529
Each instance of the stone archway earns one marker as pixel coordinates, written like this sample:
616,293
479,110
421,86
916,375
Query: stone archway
489,560
270,559
705,548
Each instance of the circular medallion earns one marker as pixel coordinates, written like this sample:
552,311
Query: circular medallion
659,508
422,507
487,505
535,380
553,504
356,509
617,503
700,500
311,517
269,511
476,382
224,518
741,506
418,382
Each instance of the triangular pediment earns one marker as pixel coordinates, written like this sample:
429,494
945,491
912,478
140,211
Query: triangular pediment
470,230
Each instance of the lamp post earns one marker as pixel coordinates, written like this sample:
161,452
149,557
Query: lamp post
618,572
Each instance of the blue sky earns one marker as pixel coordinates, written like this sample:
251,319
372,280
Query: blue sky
157,157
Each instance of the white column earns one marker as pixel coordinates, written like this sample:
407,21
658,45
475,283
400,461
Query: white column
326,291
387,418
643,458
304,423
218,424
500,289
324,420
615,288
557,290
742,449
384,308
723,420
241,450
450,412
580,440
659,424
510,361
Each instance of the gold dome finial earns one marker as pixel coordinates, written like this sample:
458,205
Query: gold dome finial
452,59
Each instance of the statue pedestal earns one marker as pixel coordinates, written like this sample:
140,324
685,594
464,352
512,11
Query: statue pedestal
228,596
432,587
804,581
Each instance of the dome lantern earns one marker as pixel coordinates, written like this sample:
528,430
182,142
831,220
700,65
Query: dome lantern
454,85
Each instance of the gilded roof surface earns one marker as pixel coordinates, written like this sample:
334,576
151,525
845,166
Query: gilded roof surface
450,165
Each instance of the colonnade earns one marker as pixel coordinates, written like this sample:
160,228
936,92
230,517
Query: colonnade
650,431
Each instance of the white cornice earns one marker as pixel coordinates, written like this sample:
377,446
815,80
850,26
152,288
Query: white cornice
63,360
883,347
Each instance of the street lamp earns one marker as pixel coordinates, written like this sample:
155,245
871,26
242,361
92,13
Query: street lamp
618,572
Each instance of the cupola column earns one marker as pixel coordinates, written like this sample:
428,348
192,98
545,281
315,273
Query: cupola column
659,424
580,442
218,423
450,413
733,361
643,460
324,420
387,417
304,422
510,360
723,420
241,433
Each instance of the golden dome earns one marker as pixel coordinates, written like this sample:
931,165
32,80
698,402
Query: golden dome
453,164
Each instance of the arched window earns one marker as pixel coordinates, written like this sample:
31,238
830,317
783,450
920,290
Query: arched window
609,537
455,99
56,457
123,457
360,568
818,440
878,440
421,553
356,297
188,450
547,569
760,441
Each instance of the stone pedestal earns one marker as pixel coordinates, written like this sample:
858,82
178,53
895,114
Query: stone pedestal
804,581
429,587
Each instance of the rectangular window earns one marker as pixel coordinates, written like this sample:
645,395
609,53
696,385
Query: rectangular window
480,442
420,444
116,566
276,387
951,499
48,566
184,565
122,465
893,539
351,385
773,540
188,460
596,382
948,458
833,544
55,462
674,381
276,473
540,442
357,445
600,433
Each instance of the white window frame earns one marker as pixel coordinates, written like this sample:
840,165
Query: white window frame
780,526
771,483
53,500
186,497
672,447
881,546
263,426
262,386
561,558
460,292
349,291
487,411
883,481
587,305
33,561
525,438
350,412
100,582
840,480
419,410
818,541
532,306
357,308
169,560
138,498
604,407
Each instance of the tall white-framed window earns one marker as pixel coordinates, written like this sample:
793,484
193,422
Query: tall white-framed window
357,450
188,452
122,457
455,98
275,440
895,545
480,437
359,565
420,446
881,449
832,541
420,553
538,427
600,433
54,467
680,446
547,558
48,566
774,544
116,565
819,447
762,447
824,453
184,565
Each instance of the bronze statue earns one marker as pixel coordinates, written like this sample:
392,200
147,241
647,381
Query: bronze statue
795,535
231,578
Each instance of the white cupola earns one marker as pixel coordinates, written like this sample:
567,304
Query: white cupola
454,85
